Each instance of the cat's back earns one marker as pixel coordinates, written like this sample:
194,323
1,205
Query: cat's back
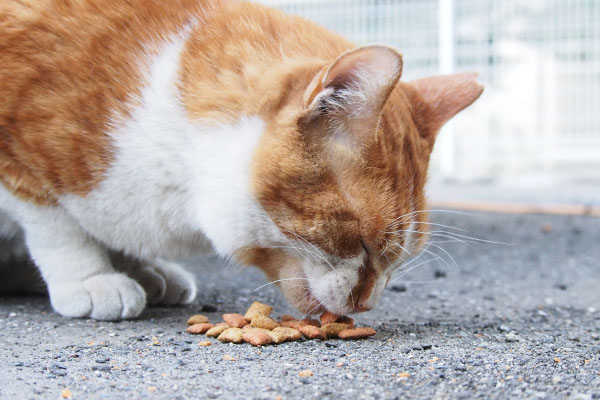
66,68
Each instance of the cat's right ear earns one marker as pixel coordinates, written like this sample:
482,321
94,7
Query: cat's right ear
354,88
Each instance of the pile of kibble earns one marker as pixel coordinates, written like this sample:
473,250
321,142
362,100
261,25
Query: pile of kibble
258,328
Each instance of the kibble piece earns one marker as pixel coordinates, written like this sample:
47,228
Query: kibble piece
346,320
328,317
197,319
199,328
204,343
305,373
334,328
260,321
216,330
308,321
292,323
287,317
257,308
235,320
357,333
231,335
257,337
313,332
290,334
223,324
278,337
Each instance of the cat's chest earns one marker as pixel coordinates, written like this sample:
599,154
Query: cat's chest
174,182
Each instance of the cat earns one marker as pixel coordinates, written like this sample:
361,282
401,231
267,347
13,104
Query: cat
137,134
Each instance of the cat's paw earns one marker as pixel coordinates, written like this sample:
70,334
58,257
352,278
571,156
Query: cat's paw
166,283
105,297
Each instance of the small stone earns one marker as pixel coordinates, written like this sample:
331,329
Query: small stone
398,288
511,337
439,274
208,308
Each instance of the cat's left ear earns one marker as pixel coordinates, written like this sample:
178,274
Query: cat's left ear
354,88
436,99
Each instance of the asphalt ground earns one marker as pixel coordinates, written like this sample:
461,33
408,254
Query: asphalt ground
484,320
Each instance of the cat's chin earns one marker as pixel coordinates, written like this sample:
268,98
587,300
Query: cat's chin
303,300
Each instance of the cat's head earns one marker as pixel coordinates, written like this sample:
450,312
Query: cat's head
340,171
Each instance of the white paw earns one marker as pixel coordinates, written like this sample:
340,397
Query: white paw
166,283
106,297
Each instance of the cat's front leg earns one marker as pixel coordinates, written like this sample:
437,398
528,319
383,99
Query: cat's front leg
77,269
165,283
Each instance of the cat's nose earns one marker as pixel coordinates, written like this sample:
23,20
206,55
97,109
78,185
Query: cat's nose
366,294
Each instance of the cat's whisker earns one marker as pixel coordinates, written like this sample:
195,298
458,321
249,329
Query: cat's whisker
432,224
423,282
322,256
430,211
294,248
402,247
442,234
403,272
279,280
311,309
448,254
440,260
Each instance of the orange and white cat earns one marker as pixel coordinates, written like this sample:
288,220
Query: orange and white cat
135,134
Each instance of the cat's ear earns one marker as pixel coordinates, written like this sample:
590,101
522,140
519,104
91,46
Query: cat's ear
436,99
355,86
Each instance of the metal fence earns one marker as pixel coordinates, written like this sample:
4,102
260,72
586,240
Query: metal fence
539,60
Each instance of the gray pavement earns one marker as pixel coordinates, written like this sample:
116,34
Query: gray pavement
490,321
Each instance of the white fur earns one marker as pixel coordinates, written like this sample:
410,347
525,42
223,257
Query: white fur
332,283
177,186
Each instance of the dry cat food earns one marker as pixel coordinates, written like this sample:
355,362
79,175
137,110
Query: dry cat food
258,328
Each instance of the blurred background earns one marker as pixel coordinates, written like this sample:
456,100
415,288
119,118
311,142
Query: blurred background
534,135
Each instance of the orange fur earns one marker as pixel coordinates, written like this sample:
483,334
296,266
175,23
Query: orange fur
66,68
